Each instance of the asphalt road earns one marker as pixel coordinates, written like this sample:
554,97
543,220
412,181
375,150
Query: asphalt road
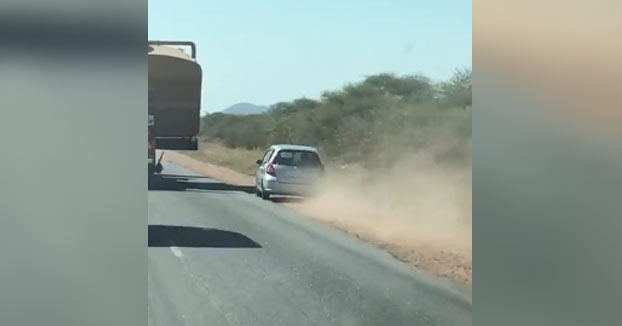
219,255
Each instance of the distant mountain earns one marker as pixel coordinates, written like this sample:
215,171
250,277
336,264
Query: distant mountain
245,109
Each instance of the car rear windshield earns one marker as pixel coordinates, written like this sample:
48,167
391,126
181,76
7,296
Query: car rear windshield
297,158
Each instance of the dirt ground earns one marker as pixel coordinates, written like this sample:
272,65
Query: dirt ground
217,172
421,218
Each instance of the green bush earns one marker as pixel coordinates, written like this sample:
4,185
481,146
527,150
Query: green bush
372,122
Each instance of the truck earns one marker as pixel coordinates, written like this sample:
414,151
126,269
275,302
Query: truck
174,100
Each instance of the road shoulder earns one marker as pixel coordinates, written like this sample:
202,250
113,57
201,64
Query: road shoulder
448,264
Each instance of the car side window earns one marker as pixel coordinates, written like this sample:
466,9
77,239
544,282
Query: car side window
267,156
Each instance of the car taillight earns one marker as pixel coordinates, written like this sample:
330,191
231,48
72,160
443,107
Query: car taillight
270,170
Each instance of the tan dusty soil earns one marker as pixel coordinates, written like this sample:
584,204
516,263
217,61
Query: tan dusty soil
223,174
440,245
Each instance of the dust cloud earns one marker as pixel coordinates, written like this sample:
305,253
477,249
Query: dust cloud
418,209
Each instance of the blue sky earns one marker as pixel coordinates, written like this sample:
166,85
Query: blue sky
266,51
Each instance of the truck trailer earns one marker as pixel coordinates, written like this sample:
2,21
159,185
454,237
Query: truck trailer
174,99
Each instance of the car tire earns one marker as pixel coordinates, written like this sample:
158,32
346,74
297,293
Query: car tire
265,195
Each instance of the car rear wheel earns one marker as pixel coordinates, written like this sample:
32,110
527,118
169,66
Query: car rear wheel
265,195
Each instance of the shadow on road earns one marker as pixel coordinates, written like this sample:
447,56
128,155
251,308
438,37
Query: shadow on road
285,200
183,183
173,182
196,237
183,176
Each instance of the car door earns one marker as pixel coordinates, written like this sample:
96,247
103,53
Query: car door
262,167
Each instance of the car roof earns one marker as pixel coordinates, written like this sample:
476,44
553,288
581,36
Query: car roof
294,147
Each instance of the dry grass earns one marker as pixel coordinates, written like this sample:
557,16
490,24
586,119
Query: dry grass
214,171
240,160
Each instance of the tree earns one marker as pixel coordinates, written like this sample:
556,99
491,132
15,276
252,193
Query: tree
379,119
458,90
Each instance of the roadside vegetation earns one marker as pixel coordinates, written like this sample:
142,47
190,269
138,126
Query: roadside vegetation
398,157
238,159
372,123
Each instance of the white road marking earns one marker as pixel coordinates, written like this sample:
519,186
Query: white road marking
177,252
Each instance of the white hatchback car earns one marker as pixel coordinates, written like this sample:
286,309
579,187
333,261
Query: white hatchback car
288,170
